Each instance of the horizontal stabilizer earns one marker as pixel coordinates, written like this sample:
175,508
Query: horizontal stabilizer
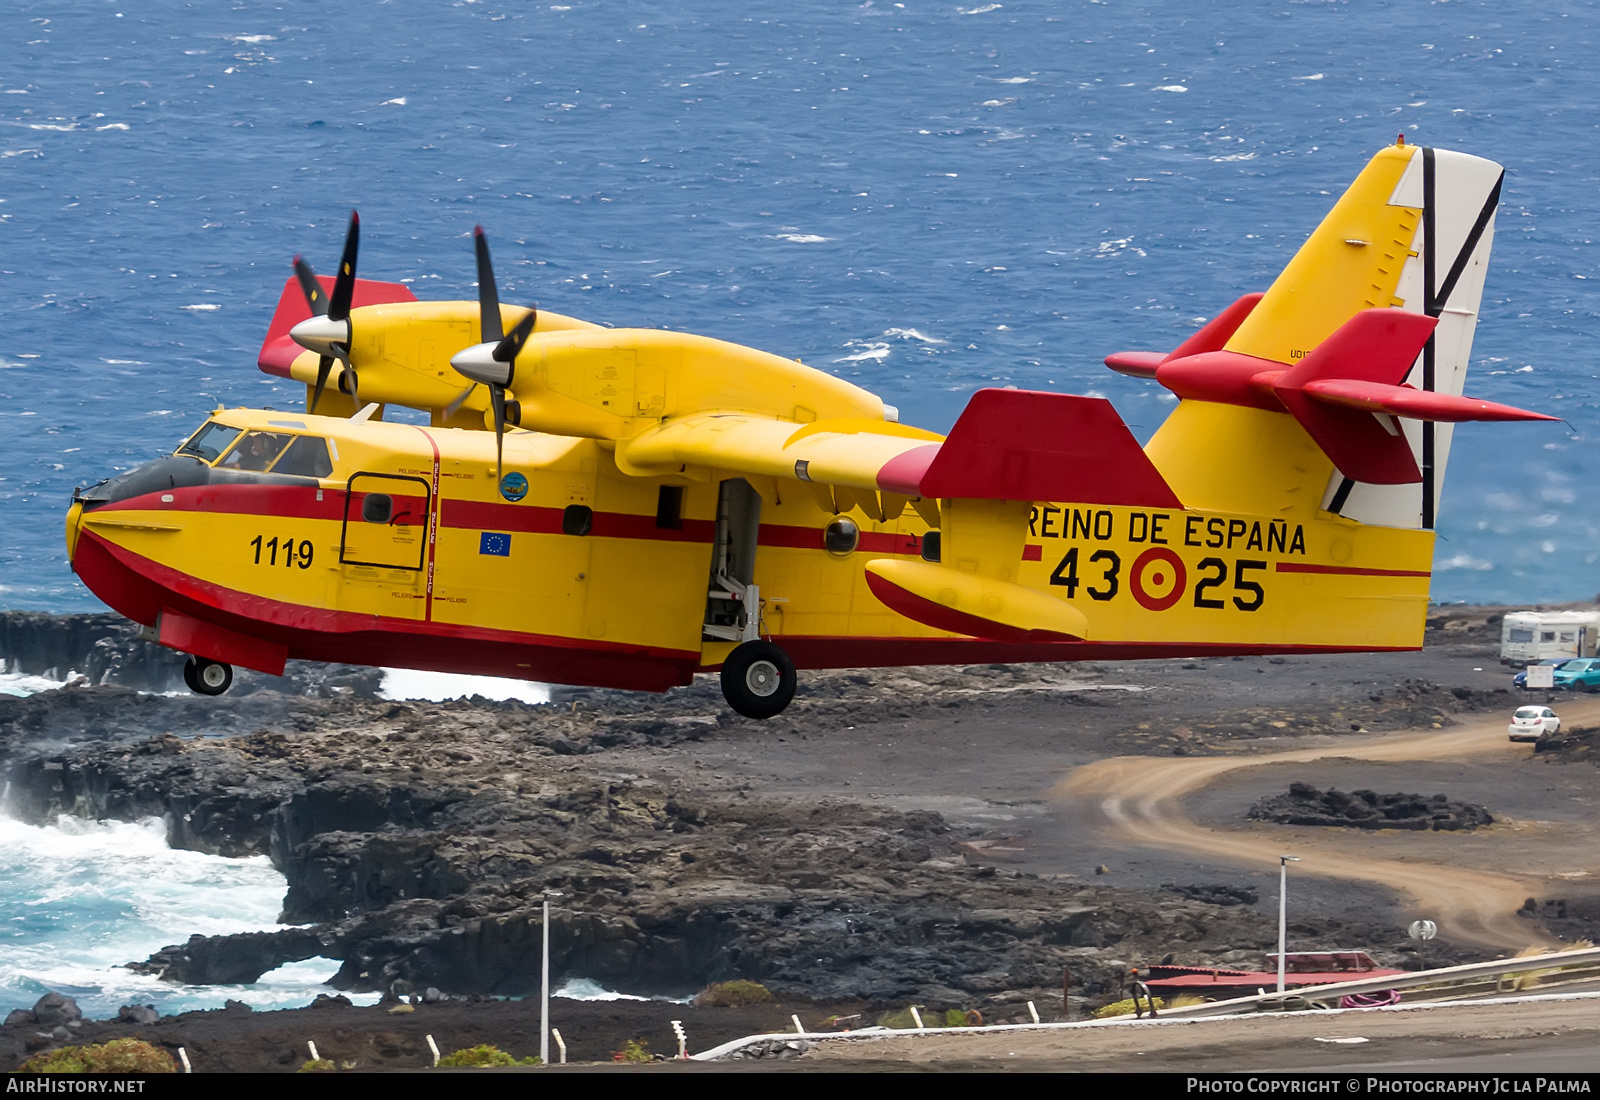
1213,337
1413,403
1025,445
1345,393
279,351
980,607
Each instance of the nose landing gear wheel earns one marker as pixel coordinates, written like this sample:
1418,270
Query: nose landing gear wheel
758,679
207,677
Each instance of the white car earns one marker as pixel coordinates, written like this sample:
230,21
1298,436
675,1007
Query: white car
1530,723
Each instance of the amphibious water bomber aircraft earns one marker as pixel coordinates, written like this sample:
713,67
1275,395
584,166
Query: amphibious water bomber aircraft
627,507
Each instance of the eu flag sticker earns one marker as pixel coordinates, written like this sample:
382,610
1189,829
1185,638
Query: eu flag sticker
493,542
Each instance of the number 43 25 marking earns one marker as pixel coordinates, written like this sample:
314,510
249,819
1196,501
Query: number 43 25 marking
1211,574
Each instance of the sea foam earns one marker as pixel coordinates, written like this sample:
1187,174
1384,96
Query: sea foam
80,899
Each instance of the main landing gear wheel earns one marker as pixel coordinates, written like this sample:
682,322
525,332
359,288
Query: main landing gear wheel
207,677
758,679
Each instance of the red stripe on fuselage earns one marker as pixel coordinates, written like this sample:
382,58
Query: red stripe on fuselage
300,502
1346,571
139,588
278,501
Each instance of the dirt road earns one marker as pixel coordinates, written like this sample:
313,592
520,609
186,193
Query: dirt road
1473,904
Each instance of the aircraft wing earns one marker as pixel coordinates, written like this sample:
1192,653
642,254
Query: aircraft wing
852,453
1007,445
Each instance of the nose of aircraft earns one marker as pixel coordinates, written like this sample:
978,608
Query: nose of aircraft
74,517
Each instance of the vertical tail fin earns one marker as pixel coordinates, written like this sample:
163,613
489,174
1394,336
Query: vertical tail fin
1412,233
1443,278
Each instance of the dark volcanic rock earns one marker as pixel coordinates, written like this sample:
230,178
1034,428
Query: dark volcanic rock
418,838
231,960
56,1008
1217,894
108,649
1574,744
105,648
1305,805
421,838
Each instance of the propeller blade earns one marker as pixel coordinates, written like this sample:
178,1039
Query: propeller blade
488,296
506,351
344,286
497,396
310,287
324,367
460,399
349,383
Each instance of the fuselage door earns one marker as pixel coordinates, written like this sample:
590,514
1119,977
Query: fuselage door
385,522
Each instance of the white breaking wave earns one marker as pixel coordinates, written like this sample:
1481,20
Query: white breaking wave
1463,561
875,350
79,899
405,683
799,238
913,334
25,683
587,989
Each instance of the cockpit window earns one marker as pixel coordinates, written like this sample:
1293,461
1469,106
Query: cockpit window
307,456
255,451
210,441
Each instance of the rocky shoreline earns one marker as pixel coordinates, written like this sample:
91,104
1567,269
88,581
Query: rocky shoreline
418,839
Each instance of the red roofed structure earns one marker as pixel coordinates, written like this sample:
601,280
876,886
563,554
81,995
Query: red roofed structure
1301,969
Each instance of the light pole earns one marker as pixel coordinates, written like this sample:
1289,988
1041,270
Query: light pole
544,984
1283,910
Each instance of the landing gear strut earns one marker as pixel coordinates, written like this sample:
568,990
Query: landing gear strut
758,679
207,677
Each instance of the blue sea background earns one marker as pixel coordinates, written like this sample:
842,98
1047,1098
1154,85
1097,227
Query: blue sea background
925,198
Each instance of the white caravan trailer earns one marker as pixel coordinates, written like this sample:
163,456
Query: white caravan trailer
1528,637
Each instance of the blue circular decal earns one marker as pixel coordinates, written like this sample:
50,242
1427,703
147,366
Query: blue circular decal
513,487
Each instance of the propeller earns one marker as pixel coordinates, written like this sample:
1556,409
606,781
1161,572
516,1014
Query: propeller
489,326
327,330
492,362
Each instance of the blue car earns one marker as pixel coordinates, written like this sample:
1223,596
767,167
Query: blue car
1582,674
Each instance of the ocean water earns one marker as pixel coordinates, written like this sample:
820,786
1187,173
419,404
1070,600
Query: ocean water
82,898
78,899
923,197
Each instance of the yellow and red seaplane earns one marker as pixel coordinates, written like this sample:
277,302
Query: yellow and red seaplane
627,507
